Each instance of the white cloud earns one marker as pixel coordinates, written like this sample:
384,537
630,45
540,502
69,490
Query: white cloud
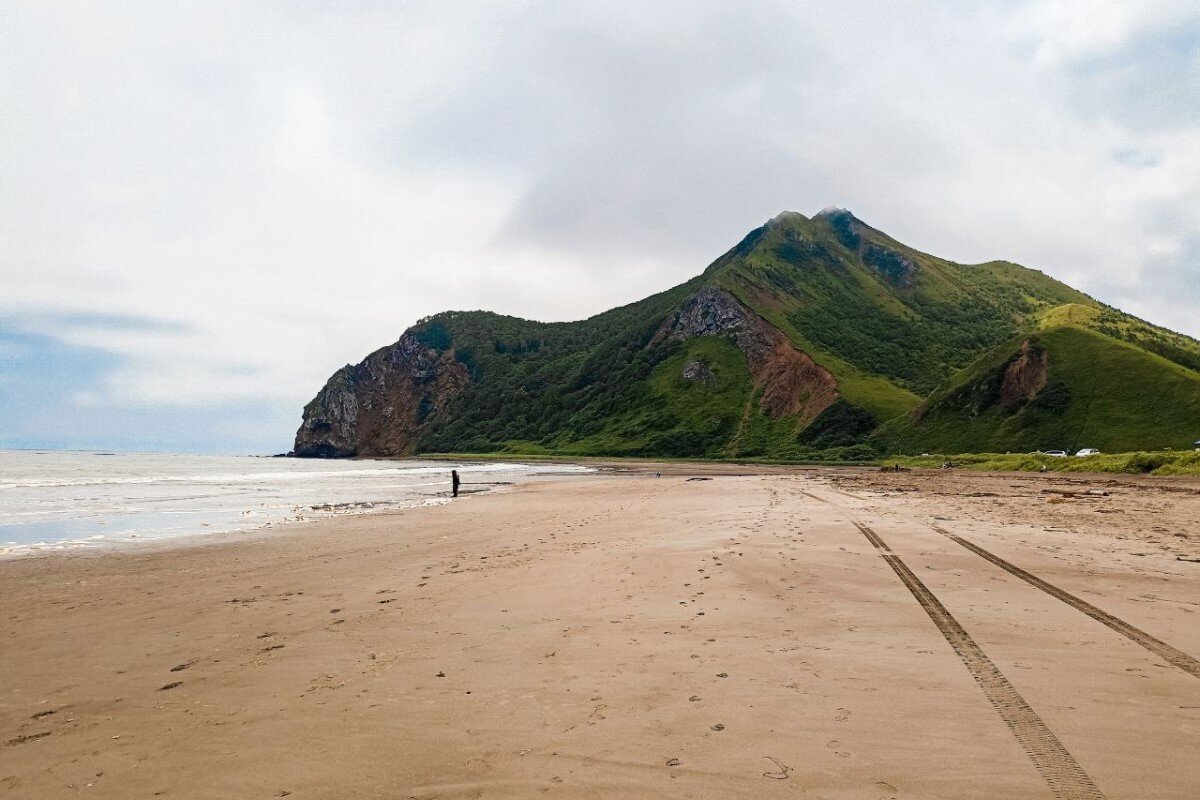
287,187
1065,31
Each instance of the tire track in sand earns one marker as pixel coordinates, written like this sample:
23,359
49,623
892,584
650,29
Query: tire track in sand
1171,655
1058,767
1062,773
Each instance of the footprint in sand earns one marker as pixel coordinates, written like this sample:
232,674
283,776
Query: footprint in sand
780,772
842,715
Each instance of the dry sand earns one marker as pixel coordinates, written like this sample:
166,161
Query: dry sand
630,636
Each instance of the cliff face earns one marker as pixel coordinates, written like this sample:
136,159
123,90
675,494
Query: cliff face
790,383
1024,376
380,406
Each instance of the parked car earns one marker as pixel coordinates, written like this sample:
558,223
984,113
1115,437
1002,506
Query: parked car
1087,451
1055,453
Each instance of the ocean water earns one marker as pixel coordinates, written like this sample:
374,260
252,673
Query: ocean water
66,500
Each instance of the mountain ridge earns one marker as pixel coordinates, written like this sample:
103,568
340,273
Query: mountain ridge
810,336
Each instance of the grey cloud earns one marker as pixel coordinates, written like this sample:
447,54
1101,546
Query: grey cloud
1163,285
672,144
1136,157
48,322
1152,82
1168,291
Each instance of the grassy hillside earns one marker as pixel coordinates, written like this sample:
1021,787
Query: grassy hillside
549,384
891,322
1100,392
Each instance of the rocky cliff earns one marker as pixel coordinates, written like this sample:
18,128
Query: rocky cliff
1024,376
787,381
380,406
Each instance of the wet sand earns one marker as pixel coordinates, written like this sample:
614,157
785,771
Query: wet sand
811,633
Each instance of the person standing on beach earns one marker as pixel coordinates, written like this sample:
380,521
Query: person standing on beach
454,482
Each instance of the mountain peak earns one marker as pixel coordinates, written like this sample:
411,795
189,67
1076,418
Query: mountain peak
786,216
831,215
834,211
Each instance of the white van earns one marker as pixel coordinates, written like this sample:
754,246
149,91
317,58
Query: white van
1087,451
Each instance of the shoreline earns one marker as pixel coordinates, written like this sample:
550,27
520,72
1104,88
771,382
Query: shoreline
618,636
146,542
68,509
603,467
192,538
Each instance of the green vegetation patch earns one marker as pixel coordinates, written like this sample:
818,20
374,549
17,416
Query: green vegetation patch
1100,393
1152,463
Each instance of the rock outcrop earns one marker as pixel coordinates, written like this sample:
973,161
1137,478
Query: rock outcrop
1024,376
699,372
892,265
380,406
792,384
895,267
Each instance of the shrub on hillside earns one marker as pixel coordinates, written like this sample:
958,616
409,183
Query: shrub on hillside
1146,462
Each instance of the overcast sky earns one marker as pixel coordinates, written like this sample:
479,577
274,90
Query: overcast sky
207,208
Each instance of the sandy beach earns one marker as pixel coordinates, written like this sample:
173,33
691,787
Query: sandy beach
715,632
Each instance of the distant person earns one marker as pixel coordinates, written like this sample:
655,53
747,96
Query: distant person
454,482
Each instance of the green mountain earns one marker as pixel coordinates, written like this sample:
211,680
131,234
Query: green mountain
818,337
